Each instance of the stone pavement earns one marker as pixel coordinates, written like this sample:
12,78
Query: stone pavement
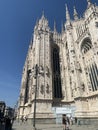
26,126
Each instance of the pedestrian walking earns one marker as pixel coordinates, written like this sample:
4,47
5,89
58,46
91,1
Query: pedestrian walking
25,119
71,120
65,121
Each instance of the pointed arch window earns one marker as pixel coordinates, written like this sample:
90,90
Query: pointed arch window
56,72
91,66
27,86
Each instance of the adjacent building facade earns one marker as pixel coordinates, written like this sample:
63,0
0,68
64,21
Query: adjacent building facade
67,67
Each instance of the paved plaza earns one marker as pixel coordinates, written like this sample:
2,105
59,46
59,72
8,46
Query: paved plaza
26,126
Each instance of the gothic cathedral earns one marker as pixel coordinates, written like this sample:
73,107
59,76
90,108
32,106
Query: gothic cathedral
62,69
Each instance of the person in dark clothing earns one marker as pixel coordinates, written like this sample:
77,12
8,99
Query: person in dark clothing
75,120
8,125
65,121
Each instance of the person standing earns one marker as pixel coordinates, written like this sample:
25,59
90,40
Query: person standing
71,120
75,120
68,123
65,122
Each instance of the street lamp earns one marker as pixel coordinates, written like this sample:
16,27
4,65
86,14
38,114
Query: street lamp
36,71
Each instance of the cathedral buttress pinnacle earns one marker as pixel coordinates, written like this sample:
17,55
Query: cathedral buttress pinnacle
68,21
67,14
43,23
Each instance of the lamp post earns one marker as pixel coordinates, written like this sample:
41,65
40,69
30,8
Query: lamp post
36,71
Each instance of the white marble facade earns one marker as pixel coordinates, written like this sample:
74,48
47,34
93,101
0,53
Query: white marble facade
67,67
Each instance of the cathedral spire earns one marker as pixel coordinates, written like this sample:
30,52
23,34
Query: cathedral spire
55,26
67,14
75,14
88,2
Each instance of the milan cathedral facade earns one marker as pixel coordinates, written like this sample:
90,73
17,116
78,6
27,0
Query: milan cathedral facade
67,67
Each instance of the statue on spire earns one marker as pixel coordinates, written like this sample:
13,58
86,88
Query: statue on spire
62,27
75,14
43,14
55,26
89,2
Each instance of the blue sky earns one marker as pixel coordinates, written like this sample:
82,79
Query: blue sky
17,20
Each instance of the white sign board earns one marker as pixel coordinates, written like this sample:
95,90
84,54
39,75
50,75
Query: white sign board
62,110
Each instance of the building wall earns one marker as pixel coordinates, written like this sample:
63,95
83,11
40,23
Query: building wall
78,51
